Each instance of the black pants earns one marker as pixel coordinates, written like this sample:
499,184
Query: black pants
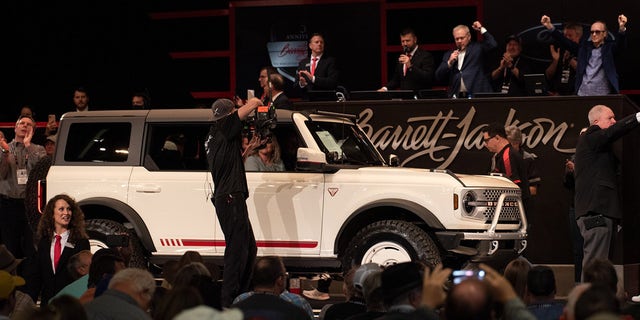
15,232
577,245
240,245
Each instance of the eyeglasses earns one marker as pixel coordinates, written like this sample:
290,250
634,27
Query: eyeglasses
597,31
487,139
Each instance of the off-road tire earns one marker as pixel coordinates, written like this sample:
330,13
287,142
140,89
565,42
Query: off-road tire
401,241
99,229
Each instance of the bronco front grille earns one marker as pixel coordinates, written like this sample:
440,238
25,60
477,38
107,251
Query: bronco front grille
510,211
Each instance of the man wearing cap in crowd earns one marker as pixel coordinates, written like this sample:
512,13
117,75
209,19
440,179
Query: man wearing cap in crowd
50,145
8,284
402,289
9,264
224,156
508,77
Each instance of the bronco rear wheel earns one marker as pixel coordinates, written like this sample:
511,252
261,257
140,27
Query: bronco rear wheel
110,234
389,242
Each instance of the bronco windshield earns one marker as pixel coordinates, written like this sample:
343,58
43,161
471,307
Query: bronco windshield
344,143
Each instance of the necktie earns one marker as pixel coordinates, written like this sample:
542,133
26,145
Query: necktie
404,67
57,250
313,66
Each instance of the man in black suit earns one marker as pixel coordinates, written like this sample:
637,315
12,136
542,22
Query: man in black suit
414,70
318,72
596,198
275,93
464,67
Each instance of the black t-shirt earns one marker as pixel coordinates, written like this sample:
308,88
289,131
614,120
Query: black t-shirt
224,154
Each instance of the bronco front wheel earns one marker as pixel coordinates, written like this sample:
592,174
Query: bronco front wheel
390,242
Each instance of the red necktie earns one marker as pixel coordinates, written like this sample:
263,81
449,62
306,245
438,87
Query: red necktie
57,250
404,67
313,66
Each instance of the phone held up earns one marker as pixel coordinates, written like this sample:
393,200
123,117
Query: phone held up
461,275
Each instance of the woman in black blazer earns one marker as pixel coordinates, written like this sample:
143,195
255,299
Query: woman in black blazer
62,217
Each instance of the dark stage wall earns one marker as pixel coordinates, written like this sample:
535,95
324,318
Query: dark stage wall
447,134
118,47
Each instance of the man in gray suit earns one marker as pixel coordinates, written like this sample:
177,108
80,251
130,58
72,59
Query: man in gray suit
596,199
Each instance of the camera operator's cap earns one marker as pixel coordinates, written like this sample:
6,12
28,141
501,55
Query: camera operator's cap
513,37
8,283
363,272
222,108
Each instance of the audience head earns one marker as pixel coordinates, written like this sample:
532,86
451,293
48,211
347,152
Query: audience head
470,299
596,299
8,261
8,285
79,264
601,271
573,31
601,116
104,262
402,283
137,283
269,272
169,271
23,125
265,73
350,291
66,307
462,36
175,301
514,135
572,299
190,272
277,82
541,283
598,32
55,217
50,144
513,45
81,98
494,137
190,256
316,44
516,273
140,100
27,111
368,279
408,39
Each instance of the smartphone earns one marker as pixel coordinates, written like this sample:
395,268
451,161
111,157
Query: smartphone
250,94
460,275
52,118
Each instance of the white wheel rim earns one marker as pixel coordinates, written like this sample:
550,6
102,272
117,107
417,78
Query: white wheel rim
97,245
386,253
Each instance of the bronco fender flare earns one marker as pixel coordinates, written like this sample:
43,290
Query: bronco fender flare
128,214
421,212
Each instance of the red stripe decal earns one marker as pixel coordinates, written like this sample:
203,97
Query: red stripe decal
260,244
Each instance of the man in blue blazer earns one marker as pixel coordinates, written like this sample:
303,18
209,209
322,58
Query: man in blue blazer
597,205
596,71
464,67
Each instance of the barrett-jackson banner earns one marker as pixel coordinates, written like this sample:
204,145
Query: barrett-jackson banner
447,134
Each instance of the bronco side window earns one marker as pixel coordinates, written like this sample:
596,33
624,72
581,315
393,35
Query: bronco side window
98,142
176,147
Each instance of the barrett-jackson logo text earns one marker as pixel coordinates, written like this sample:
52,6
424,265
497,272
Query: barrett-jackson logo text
426,135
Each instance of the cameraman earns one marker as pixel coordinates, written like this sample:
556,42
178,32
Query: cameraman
224,155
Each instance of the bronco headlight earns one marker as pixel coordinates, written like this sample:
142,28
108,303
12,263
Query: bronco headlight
469,203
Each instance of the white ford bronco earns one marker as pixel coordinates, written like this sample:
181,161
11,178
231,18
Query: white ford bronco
143,174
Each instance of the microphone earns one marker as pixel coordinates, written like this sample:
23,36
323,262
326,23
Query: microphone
458,48
406,50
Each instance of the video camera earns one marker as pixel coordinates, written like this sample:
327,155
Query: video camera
261,122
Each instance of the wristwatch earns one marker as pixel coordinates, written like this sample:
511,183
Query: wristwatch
4,150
